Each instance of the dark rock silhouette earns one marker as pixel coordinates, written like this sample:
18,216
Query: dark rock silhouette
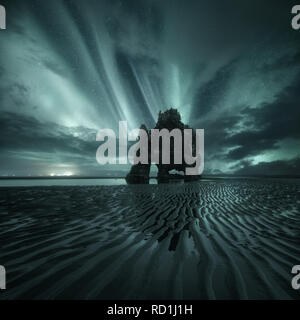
139,173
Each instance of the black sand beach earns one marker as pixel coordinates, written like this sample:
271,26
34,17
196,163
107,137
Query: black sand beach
226,239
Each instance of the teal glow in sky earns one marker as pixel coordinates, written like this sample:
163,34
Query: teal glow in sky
69,68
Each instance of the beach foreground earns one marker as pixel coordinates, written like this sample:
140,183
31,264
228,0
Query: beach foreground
227,239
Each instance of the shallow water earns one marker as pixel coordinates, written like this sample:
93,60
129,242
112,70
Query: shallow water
63,182
236,239
60,182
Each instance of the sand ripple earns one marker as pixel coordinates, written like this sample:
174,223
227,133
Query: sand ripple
208,240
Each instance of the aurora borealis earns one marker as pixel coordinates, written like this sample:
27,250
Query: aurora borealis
71,67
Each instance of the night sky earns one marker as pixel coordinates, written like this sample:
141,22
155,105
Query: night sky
69,68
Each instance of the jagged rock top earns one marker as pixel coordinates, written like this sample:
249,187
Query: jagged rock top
169,119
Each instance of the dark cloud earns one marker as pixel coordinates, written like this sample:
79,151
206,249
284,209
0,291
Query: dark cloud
211,93
284,62
28,145
20,133
269,124
274,168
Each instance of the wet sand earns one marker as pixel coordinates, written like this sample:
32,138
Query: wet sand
227,239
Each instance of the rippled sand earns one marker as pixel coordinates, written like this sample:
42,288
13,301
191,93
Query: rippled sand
208,240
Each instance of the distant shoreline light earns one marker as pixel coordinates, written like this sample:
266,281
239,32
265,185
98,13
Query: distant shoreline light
66,174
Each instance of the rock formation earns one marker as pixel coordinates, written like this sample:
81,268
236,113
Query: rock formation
139,173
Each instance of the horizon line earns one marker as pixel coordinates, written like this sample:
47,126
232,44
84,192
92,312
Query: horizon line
151,177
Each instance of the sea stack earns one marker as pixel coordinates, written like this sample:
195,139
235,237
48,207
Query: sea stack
139,173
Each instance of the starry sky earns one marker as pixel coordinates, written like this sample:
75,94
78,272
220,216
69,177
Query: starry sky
71,67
